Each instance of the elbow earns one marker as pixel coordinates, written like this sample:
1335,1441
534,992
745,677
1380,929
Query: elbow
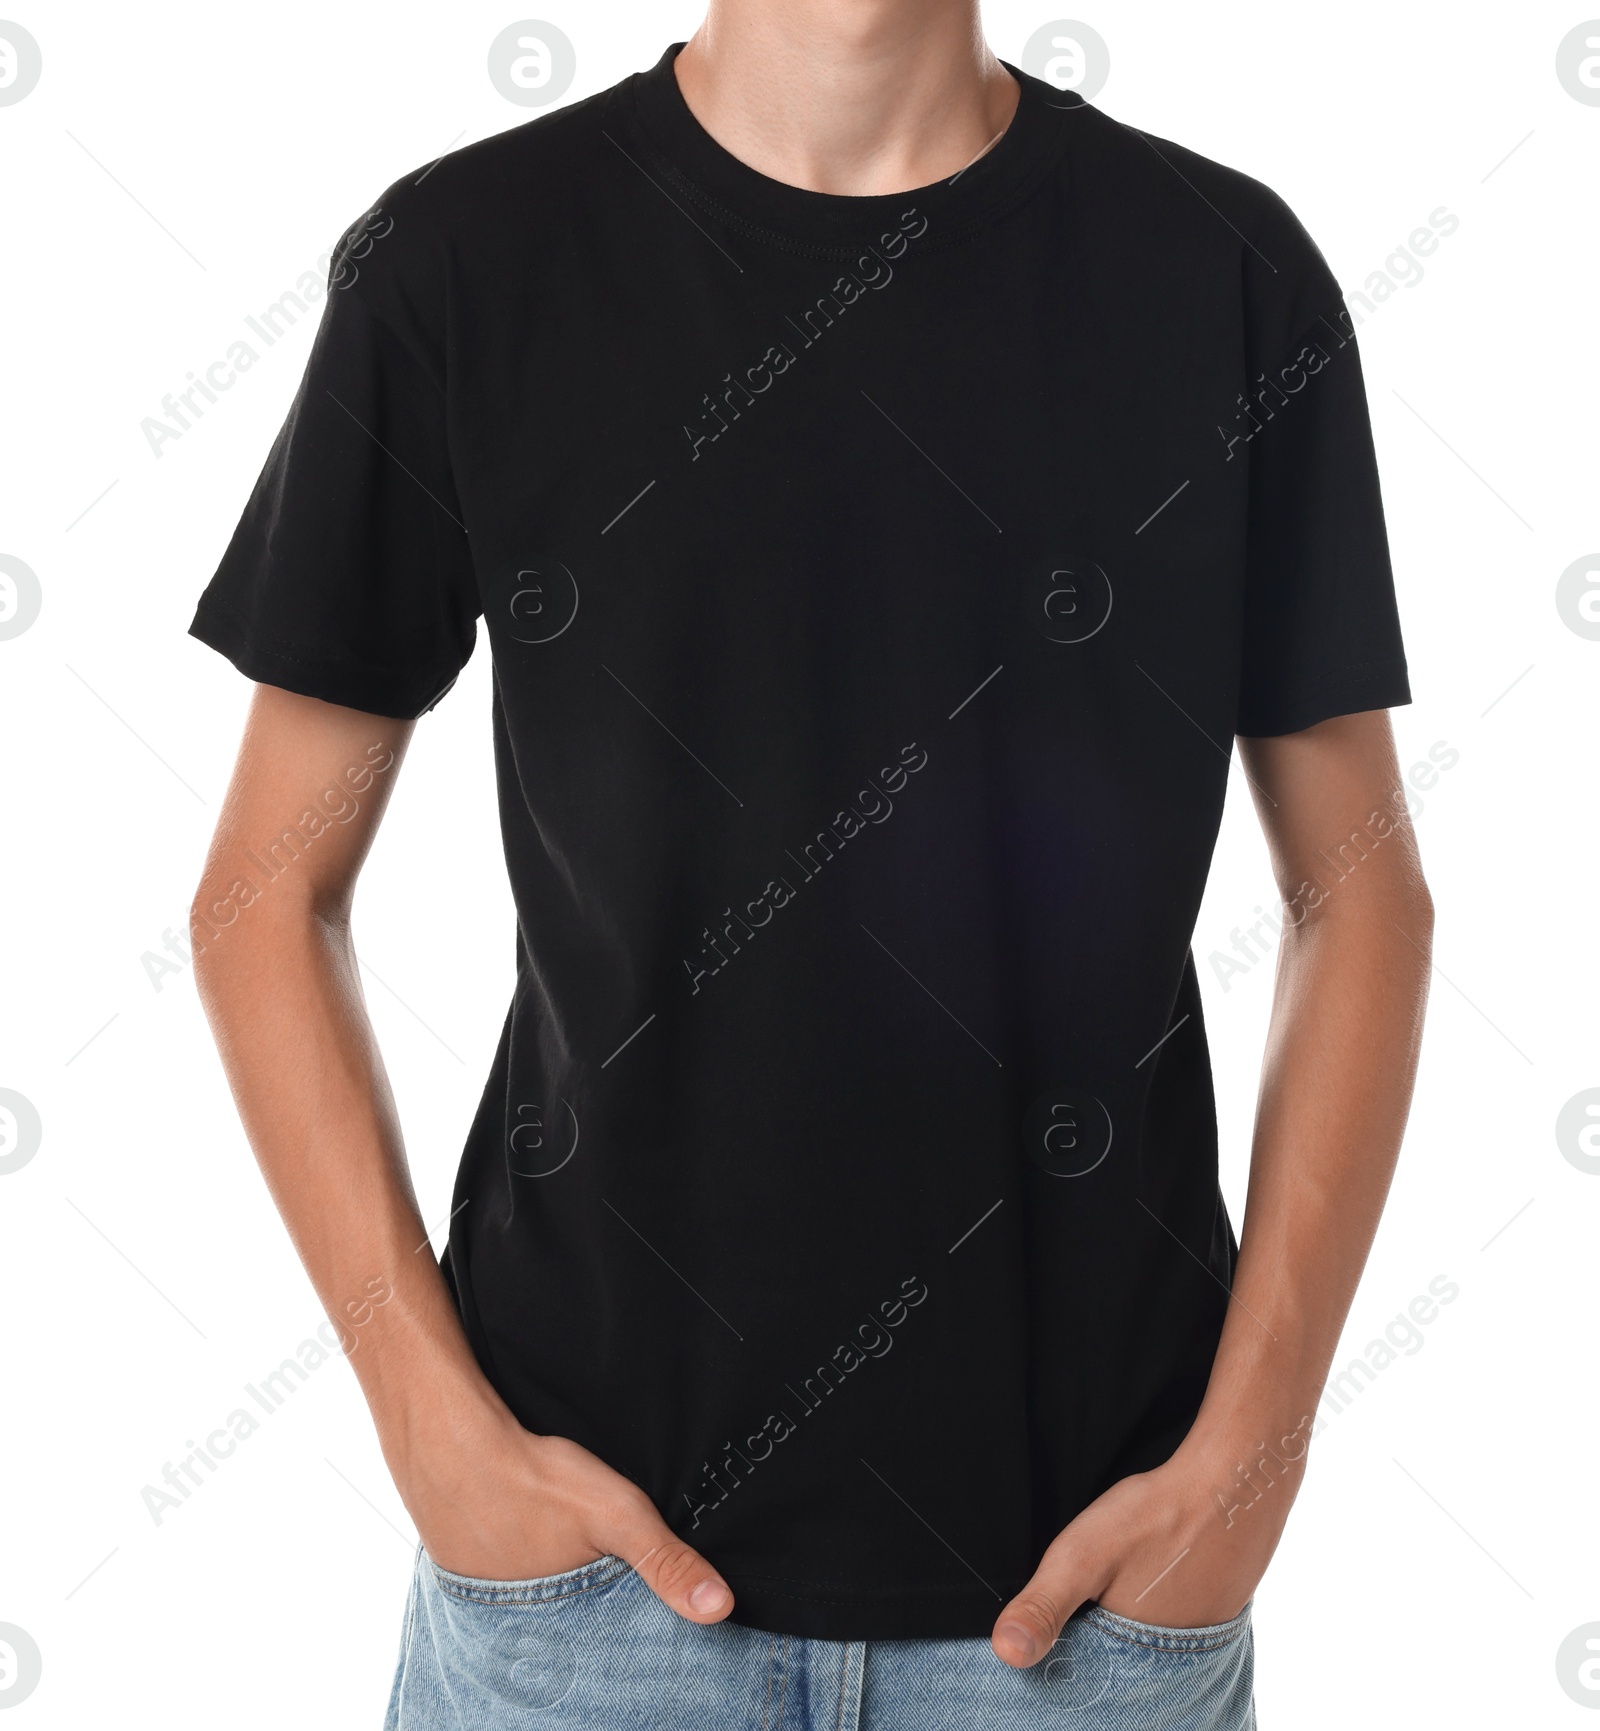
1419,913
236,923
1412,916
220,917
1424,909
213,911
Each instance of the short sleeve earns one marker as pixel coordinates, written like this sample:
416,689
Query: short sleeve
1321,628
349,577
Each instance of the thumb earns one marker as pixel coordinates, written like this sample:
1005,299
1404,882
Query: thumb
1066,1576
675,1572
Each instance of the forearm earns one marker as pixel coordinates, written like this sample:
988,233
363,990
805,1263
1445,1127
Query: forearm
283,995
1335,1091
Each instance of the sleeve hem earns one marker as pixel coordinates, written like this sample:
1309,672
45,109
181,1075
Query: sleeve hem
1351,691
348,683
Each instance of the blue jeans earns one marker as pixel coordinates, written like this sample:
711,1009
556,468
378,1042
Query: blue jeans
595,1647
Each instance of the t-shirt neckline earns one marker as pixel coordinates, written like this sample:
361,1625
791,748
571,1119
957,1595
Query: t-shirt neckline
717,179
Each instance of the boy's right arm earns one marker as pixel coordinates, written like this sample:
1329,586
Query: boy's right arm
277,973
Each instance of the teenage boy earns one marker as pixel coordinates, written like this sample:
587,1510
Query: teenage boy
889,486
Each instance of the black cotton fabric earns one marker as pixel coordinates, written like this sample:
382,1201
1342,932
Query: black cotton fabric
874,588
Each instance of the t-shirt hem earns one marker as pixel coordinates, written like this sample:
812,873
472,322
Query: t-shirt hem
350,684
1350,692
887,1613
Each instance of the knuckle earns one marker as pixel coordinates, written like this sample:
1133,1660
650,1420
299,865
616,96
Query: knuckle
560,1461
675,1567
623,1513
1041,1611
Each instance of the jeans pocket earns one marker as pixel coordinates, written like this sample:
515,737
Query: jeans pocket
1211,1638
1160,1678
506,1654
536,1589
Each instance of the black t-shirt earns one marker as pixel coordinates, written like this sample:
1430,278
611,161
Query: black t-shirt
874,588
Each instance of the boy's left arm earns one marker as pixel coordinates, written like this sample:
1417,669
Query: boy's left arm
1185,1545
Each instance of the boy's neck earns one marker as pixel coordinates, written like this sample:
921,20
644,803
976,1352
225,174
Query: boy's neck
852,97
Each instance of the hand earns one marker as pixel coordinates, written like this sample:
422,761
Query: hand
1184,1546
494,1501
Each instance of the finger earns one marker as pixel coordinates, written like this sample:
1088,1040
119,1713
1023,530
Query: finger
675,1572
1027,1628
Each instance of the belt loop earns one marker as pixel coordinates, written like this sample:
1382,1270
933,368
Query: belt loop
852,1673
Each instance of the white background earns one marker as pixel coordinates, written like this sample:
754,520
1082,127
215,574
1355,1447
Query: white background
1446,1539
